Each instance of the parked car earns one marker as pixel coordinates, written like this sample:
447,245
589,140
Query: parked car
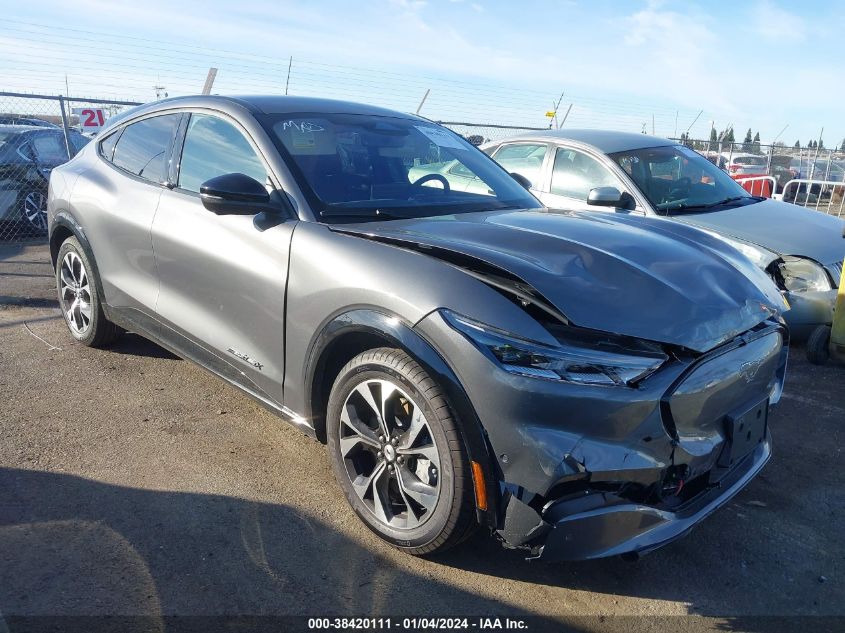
800,249
817,169
583,385
27,155
745,164
32,121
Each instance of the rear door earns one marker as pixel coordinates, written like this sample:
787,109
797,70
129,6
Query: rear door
119,203
223,277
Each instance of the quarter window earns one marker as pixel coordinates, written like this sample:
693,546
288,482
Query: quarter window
575,174
523,159
107,145
142,148
214,147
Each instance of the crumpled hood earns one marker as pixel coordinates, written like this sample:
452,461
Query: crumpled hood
783,228
647,278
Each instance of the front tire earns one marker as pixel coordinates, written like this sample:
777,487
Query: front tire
79,300
397,453
818,345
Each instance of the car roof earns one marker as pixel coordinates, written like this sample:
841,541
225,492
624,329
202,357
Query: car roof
607,141
11,128
269,104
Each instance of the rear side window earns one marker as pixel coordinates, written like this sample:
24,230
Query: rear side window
214,147
142,148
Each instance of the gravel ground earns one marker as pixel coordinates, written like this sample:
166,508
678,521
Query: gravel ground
134,483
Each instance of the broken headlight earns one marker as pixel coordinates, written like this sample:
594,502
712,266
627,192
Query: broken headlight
800,274
574,361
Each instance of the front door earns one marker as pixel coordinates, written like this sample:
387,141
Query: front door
223,277
574,173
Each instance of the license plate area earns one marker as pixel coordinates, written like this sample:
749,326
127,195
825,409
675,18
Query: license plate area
744,431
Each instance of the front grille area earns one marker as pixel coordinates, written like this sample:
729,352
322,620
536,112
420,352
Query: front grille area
721,385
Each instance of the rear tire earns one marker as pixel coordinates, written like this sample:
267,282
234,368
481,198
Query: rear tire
818,345
397,453
79,298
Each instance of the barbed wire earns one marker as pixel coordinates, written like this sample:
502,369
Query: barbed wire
128,67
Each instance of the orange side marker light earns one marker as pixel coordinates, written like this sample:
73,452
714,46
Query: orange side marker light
480,486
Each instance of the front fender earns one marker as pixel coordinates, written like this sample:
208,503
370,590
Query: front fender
347,333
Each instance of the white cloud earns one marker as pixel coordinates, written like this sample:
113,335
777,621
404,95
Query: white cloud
774,23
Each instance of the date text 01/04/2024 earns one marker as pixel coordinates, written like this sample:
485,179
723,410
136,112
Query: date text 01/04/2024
415,624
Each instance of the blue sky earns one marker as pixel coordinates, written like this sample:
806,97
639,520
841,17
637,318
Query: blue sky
622,64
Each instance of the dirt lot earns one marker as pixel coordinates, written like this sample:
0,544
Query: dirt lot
134,483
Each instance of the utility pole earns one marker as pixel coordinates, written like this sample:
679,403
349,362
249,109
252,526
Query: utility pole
287,81
209,81
425,96
565,116
556,106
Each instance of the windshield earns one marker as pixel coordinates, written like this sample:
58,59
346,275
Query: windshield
354,167
675,178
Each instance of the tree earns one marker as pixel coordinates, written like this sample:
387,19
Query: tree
842,146
797,145
714,138
746,143
755,144
820,144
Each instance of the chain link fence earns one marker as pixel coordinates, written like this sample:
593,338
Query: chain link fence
480,133
38,133
807,176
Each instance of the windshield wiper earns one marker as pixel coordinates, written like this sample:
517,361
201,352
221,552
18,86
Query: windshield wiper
338,210
363,213
709,205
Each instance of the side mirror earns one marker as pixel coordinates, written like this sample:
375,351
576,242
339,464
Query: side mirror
522,180
234,194
610,197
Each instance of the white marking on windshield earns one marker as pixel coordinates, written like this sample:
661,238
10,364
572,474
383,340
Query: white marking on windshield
303,126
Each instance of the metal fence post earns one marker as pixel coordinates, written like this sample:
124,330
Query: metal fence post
65,126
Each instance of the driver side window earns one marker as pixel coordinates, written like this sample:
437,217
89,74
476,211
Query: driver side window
214,147
575,173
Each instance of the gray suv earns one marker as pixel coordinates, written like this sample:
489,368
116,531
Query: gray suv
583,385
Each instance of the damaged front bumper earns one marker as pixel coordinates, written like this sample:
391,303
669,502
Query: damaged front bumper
614,527
587,472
